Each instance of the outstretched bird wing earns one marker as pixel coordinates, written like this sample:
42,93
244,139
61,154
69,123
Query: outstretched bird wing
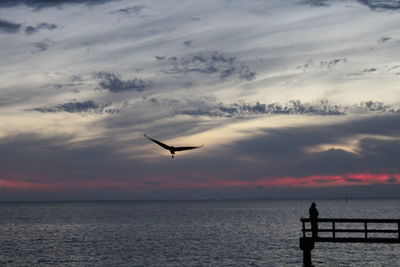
159,143
181,148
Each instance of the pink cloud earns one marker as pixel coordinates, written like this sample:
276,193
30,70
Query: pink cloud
166,182
318,180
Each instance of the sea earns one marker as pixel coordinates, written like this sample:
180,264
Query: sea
183,233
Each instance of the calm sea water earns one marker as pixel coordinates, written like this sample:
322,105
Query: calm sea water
182,233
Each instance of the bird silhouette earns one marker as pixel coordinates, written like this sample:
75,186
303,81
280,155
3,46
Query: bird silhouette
172,149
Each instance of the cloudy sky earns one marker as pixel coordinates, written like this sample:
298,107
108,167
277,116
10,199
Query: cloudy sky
294,98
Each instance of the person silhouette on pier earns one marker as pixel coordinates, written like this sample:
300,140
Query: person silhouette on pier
314,216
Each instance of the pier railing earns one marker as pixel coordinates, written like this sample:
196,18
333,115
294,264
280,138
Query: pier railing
360,226
347,231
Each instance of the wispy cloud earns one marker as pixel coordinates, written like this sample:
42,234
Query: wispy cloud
37,28
38,4
323,108
9,27
42,46
372,4
128,11
113,83
322,65
188,43
214,63
12,27
319,3
381,4
86,107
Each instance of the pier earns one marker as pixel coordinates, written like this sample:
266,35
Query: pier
348,231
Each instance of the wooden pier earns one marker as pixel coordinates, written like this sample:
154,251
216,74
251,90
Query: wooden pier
348,231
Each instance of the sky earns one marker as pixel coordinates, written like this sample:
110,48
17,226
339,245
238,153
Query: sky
291,99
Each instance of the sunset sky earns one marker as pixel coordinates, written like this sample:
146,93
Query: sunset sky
293,98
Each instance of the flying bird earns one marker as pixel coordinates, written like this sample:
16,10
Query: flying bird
172,149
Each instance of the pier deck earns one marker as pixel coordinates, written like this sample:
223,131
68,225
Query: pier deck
345,230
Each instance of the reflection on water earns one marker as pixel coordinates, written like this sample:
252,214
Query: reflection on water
182,233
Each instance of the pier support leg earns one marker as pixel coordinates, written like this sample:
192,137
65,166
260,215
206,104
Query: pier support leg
306,244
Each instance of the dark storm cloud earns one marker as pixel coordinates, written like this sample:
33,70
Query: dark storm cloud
9,27
280,152
59,160
113,83
89,107
46,26
38,4
52,159
290,147
380,149
214,63
323,108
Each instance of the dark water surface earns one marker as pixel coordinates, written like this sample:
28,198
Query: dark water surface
182,233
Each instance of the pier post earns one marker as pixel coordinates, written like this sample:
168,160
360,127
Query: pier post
306,244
